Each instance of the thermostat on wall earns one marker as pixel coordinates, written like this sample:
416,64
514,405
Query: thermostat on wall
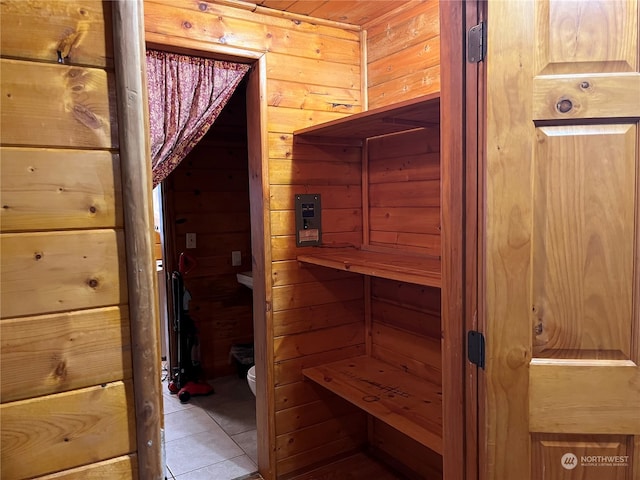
308,220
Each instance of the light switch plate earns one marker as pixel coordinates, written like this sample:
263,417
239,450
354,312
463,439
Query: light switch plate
236,259
191,240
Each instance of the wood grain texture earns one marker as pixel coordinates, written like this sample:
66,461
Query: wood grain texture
508,241
404,402
83,114
548,451
133,125
67,430
302,416
591,384
125,468
591,96
80,30
54,353
39,194
350,426
583,225
404,55
570,399
597,37
317,341
73,270
217,24
261,252
394,266
404,453
357,467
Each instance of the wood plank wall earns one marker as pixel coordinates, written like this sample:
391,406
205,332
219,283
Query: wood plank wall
403,54
65,361
404,191
208,194
313,75
403,62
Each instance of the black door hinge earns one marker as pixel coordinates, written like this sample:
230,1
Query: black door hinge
475,348
477,43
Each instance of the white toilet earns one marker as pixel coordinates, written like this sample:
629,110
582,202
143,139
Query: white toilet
251,379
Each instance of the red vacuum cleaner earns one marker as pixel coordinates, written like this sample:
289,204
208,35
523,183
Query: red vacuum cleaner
184,380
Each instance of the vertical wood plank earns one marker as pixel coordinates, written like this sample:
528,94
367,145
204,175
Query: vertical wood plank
131,86
454,287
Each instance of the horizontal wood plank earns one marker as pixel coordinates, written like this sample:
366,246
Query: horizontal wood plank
83,116
283,222
286,172
281,93
292,272
425,220
578,392
333,196
39,194
399,399
418,112
37,30
53,272
406,268
317,341
425,82
352,426
355,467
413,59
317,293
302,416
290,371
299,320
66,430
54,353
122,468
284,247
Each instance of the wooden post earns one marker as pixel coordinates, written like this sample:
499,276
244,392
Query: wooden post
131,88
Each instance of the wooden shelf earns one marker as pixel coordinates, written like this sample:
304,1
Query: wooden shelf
408,403
421,112
394,266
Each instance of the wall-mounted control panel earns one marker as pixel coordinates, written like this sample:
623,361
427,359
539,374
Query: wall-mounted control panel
308,220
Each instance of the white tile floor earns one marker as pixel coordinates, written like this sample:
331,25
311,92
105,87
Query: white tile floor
212,437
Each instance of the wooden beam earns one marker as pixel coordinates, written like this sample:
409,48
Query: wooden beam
454,286
129,60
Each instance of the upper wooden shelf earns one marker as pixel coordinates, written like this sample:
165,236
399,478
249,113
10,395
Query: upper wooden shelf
394,266
415,113
408,403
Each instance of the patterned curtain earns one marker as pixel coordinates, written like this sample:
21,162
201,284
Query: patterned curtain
186,95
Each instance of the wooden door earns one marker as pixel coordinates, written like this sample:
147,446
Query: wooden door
562,241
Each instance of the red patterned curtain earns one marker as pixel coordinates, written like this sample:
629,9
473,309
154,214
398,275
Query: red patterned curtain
186,95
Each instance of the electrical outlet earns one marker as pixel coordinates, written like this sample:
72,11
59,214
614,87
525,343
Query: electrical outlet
191,240
236,258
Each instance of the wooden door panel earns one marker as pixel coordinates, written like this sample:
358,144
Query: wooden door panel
584,203
596,457
603,397
585,96
586,37
562,245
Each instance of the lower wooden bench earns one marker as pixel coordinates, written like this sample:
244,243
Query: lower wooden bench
408,403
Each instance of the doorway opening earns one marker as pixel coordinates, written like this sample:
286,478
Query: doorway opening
205,210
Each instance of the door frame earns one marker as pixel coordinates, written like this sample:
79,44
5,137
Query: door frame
130,43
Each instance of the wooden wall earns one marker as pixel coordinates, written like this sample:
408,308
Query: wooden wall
208,194
65,360
314,75
403,54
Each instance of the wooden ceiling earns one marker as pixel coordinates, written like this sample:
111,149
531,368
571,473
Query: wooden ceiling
354,12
